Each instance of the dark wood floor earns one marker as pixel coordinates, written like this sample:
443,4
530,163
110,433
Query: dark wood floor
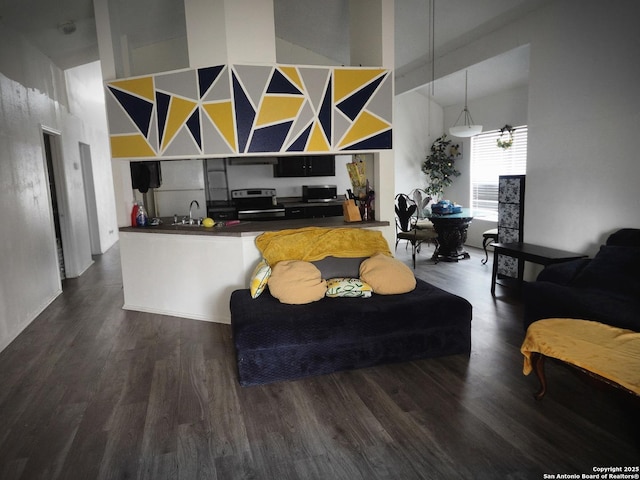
90,391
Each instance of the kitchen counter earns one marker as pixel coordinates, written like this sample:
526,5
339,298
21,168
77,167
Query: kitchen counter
190,271
250,227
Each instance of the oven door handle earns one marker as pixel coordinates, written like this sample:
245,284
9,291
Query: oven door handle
262,210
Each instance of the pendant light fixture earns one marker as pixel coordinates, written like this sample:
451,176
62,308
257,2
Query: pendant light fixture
467,129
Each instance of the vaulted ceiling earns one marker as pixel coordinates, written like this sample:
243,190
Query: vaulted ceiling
320,26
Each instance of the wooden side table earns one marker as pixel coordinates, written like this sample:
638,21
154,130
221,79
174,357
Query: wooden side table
530,253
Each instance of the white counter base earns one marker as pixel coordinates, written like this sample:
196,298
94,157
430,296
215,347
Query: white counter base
187,276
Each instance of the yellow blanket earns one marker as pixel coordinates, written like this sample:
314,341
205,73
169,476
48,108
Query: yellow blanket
612,353
315,243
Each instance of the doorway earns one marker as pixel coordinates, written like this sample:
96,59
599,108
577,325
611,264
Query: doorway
51,150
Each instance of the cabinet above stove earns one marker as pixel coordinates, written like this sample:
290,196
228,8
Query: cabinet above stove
305,166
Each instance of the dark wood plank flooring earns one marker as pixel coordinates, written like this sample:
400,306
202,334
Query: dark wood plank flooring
90,391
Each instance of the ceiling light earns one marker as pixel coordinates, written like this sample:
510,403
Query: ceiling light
67,27
468,129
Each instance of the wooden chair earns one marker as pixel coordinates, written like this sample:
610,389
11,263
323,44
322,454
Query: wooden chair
406,228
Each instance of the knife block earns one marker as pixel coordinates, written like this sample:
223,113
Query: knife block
351,211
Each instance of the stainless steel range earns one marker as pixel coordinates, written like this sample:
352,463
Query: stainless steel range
257,204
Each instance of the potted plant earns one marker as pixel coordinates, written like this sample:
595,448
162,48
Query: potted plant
439,166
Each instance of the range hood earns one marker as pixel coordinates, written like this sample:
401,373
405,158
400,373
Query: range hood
253,161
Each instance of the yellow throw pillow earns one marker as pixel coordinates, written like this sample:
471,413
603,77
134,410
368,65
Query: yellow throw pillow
296,282
259,278
387,275
348,287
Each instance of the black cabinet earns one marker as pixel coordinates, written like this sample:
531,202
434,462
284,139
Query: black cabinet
305,166
324,211
313,211
294,212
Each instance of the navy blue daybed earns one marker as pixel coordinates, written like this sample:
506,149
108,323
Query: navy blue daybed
276,341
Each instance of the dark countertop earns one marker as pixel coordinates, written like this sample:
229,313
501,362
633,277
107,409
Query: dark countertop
250,227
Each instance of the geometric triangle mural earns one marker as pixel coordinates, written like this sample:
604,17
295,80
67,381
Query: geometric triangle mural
236,110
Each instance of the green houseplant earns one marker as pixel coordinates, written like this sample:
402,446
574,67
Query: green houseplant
439,166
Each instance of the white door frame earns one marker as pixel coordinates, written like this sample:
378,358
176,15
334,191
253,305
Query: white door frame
61,196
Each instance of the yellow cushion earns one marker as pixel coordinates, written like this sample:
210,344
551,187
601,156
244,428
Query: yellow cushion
259,278
296,282
315,243
611,352
387,275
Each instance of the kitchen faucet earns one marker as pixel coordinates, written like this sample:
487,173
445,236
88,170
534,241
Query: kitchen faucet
190,215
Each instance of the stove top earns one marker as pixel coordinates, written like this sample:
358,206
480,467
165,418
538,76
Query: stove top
257,204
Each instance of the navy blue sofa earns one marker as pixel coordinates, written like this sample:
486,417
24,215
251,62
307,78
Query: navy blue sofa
275,341
605,288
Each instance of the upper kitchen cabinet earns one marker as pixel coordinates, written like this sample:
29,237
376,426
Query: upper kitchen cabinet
305,166
249,110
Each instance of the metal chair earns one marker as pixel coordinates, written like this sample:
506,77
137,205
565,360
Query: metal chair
487,237
406,228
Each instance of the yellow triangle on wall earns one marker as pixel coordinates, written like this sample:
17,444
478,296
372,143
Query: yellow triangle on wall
275,108
347,81
221,115
317,140
292,74
142,87
179,111
364,126
130,146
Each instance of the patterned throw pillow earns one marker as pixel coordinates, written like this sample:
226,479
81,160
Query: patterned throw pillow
259,278
348,287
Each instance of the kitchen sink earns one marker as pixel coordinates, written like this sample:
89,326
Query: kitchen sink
180,224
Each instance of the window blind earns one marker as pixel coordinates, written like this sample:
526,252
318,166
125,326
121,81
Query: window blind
488,162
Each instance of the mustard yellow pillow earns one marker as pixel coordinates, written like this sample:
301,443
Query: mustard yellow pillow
296,282
259,278
387,275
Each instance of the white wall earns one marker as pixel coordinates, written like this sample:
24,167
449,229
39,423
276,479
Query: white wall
86,101
584,112
32,95
493,112
417,123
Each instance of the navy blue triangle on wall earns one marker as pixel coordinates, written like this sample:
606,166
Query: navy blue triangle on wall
193,125
245,114
300,143
138,109
353,105
206,77
325,111
381,141
162,110
269,139
280,84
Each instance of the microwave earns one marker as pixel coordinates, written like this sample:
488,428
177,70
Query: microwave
319,193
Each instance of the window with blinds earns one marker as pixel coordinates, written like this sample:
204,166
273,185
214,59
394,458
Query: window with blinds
488,162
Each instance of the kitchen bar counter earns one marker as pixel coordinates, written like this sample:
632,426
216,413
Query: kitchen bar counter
250,227
190,271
